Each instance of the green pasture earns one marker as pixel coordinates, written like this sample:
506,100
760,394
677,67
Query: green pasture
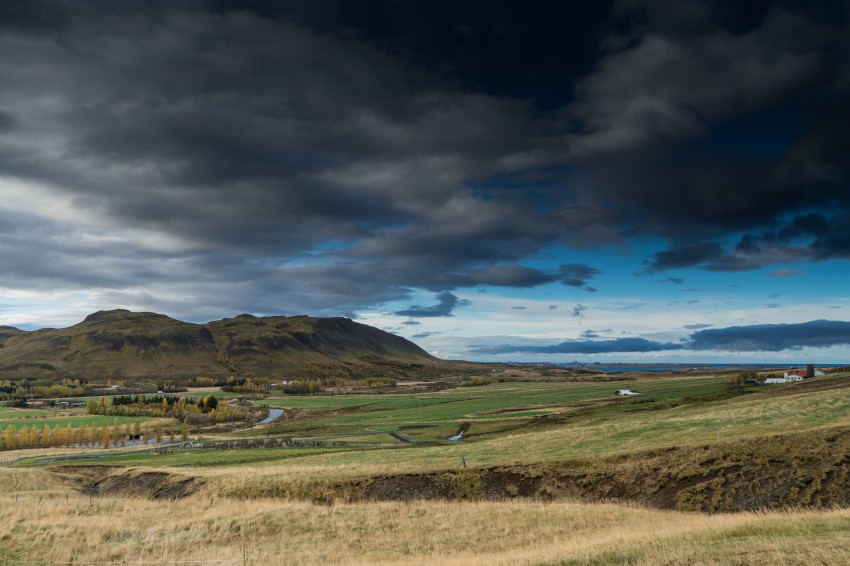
527,423
200,458
75,421
361,414
14,413
603,434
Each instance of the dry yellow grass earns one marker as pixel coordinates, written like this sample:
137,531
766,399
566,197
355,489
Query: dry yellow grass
60,526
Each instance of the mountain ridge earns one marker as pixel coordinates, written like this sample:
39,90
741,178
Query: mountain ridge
131,345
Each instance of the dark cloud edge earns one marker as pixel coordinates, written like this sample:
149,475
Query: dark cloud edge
753,338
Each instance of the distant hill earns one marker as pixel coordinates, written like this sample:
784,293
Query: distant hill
130,345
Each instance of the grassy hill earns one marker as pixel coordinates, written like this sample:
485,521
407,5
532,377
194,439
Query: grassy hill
120,344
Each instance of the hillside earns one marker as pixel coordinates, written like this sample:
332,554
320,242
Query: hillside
120,344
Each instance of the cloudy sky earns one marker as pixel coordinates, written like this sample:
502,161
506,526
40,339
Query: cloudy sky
536,180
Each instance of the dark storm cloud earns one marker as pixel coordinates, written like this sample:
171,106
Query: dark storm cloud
684,256
712,119
820,236
510,276
252,138
577,275
446,303
327,158
31,16
755,338
583,347
773,337
6,121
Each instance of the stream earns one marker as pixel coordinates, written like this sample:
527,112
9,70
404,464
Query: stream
274,414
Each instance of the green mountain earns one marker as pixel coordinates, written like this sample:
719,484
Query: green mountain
120,344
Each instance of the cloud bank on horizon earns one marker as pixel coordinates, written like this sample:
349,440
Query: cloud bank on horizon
754,338
644,167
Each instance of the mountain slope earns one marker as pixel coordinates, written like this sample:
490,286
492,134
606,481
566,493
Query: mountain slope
124,344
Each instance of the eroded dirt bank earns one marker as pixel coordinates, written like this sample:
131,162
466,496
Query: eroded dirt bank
784,471
131,482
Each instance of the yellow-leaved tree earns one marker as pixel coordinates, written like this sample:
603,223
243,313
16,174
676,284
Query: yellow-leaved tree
10,437
116,431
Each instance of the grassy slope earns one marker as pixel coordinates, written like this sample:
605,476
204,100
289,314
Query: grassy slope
120,344
296,347
786,431
114,344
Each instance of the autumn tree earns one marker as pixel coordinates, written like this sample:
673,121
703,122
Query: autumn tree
10,437
91,435
116,431
23,438
105,436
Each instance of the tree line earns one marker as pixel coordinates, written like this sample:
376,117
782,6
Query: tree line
84,435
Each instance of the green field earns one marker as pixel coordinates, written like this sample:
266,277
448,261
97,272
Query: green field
75,421
16,414
511,423
485,407
585,421
38,418
506,493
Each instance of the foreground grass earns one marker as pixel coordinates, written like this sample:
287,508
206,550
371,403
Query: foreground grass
56,527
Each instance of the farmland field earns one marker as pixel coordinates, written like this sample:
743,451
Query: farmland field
51,419
545,473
